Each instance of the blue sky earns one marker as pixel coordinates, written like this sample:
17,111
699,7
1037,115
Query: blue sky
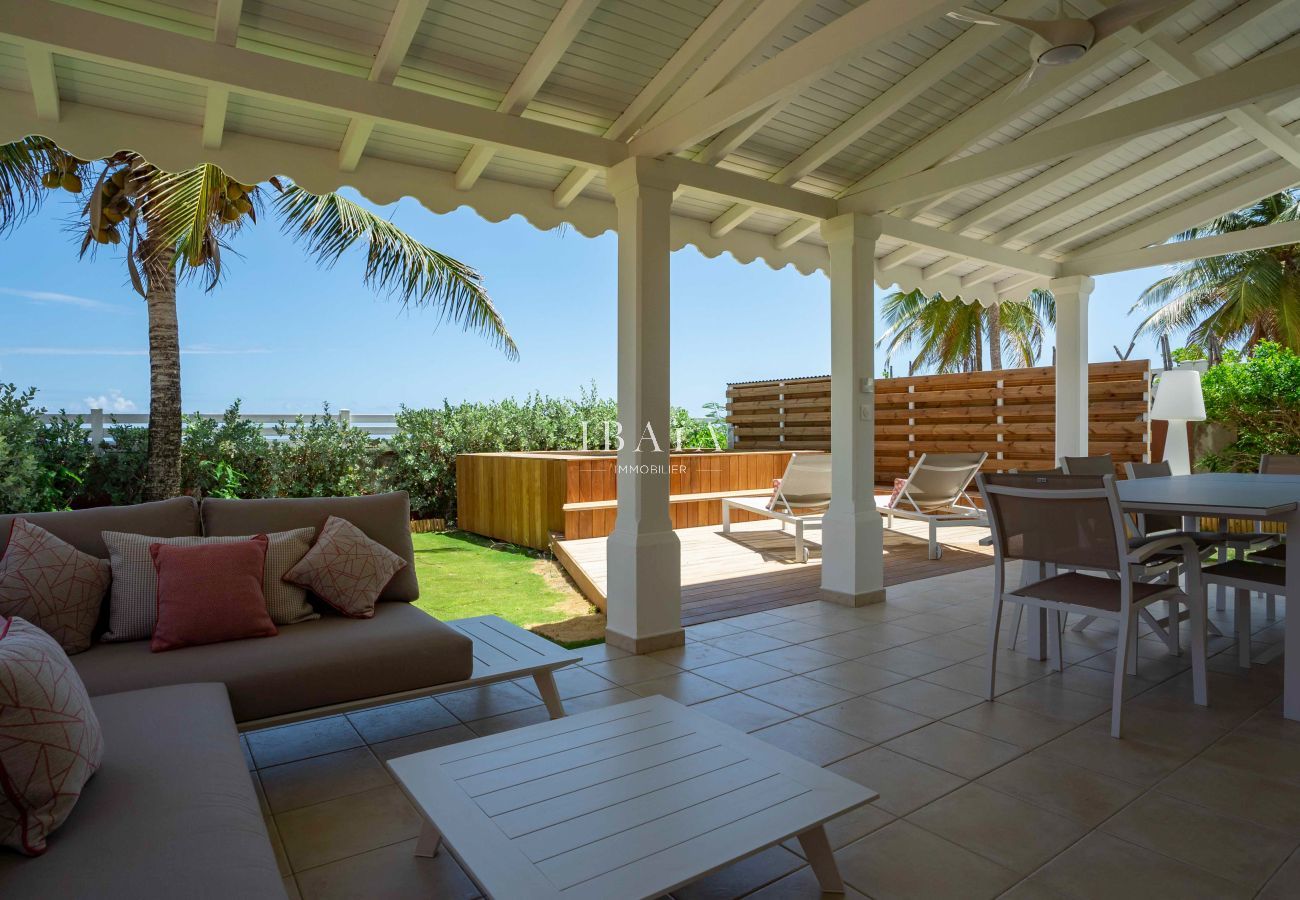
286,336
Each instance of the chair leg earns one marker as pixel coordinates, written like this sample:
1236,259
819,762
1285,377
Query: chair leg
1127,630
1270,607
1083,623
1131,649
800,552
934,552
1056,651
1171,630
1221,594
995,624
1015,631
1241,614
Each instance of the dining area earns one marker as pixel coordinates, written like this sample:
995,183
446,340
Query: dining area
1187,561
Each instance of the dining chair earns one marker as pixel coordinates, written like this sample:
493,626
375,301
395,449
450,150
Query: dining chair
1088,465
1076,522
1274,554
1244,576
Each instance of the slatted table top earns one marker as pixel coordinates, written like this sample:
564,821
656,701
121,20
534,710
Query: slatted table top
632,800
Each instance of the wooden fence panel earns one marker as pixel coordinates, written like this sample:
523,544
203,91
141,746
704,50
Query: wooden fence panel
1008,413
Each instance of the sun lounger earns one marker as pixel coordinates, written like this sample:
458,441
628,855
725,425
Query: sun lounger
934,492
806,486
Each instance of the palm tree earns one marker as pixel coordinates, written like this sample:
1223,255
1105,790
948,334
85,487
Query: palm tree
950,335
1236,300
176,225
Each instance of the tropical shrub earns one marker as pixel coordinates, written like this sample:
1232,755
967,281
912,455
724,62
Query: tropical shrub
226,457
22,475
320,456
1258,397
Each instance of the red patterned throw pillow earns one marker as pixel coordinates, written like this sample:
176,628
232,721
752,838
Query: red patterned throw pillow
210,593
50,742
52,585
346,569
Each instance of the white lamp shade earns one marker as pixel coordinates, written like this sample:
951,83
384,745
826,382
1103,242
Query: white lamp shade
1179,397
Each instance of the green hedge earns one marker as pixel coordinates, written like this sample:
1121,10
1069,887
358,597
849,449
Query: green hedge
1258,397
53,465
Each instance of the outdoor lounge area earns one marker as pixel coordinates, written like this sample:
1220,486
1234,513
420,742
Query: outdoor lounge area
975,634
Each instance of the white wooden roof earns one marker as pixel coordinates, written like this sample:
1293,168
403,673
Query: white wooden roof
772,115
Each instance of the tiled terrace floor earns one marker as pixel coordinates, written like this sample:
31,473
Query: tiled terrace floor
1023,797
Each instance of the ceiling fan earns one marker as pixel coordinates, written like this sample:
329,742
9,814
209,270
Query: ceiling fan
1065,39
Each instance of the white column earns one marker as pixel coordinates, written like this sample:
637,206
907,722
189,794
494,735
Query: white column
852,536
644,600
1071,295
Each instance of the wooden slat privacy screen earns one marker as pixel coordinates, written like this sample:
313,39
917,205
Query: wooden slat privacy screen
1009,413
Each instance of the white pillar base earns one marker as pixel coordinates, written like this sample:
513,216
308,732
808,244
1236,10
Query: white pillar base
853,562
645,565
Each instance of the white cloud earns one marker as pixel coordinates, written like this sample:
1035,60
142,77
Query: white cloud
43,297
113,401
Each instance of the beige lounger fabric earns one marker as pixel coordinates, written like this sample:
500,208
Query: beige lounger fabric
171,812
330,660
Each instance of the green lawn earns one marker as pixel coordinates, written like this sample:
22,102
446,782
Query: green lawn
463,575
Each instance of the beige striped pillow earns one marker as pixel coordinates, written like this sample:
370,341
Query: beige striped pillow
133,597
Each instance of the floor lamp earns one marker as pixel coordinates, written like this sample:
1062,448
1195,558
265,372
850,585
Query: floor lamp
1178,401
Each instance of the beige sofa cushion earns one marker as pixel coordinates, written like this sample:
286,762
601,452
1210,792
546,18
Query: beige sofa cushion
171,813
331,660
53,585
81,528
385,518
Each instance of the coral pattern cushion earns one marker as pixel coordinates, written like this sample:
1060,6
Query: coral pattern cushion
210,593
346,569
50,741
899,484
53,585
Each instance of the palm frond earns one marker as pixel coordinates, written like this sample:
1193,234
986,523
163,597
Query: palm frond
22,165
329,225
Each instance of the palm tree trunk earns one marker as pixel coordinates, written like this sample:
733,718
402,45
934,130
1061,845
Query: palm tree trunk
995,336
163,471
977,353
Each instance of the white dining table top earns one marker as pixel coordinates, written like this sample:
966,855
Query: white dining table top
1246,495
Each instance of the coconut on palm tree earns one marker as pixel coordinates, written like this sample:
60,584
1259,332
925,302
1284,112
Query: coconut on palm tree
175,225
951,335
1235,300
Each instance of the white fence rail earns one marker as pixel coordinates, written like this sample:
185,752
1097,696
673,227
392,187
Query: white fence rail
380,425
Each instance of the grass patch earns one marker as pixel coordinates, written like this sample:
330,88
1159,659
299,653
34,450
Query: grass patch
463,575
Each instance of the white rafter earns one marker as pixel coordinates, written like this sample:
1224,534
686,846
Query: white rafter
898,95
566,25
1256,79
225,31
44,83
702,42
1181,251
854,34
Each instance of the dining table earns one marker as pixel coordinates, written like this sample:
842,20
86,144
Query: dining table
1268,498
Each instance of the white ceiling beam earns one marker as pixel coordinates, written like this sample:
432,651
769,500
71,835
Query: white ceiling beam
702,42
564,28
1181,251
729,140
898,95
396,43
225,31
854,34
943,266
795,232
44,83
960,245
225,25
898,257
1253,80
1007,285
1235,194
737,186
124,44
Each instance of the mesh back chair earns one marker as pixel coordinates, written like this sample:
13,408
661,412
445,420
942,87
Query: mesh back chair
1279,464
1273,554
1088,465
1076,522
935,492
805,485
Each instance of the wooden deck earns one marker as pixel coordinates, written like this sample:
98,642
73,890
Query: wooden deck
753,568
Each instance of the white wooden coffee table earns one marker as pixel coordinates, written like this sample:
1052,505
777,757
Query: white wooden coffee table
630,801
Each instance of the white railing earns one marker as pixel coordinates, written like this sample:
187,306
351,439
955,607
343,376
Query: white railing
380,425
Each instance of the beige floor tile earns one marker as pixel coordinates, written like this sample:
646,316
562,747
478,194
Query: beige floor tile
1269,723
1237,792
1008,831
1282,886
1238,850
1088,797
571,681
742,712
856,677
1187,731
755,620
291,888
707,631
869,719
418,743
248,754
904,784
1264,756
906,661
509,721
799,694
631,669
1128,759
796,658
277,847
973,678
892,632
392,873
742,878
847,645
1027,890
797,632
1104,866
492,700
948,646
932,622
747,643
602,653
739,674
693,655
1056,701
802,885
1096,682
320,778
902,862
315,835
811,740
684,687
383,723
598,700
317,737
1009,723
932,700
956,750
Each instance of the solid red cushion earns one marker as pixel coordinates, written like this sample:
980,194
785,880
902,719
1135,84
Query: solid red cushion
210,593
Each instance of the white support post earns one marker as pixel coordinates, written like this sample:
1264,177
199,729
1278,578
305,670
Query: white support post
345,417
1071,295
96,428
644,556
852,534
